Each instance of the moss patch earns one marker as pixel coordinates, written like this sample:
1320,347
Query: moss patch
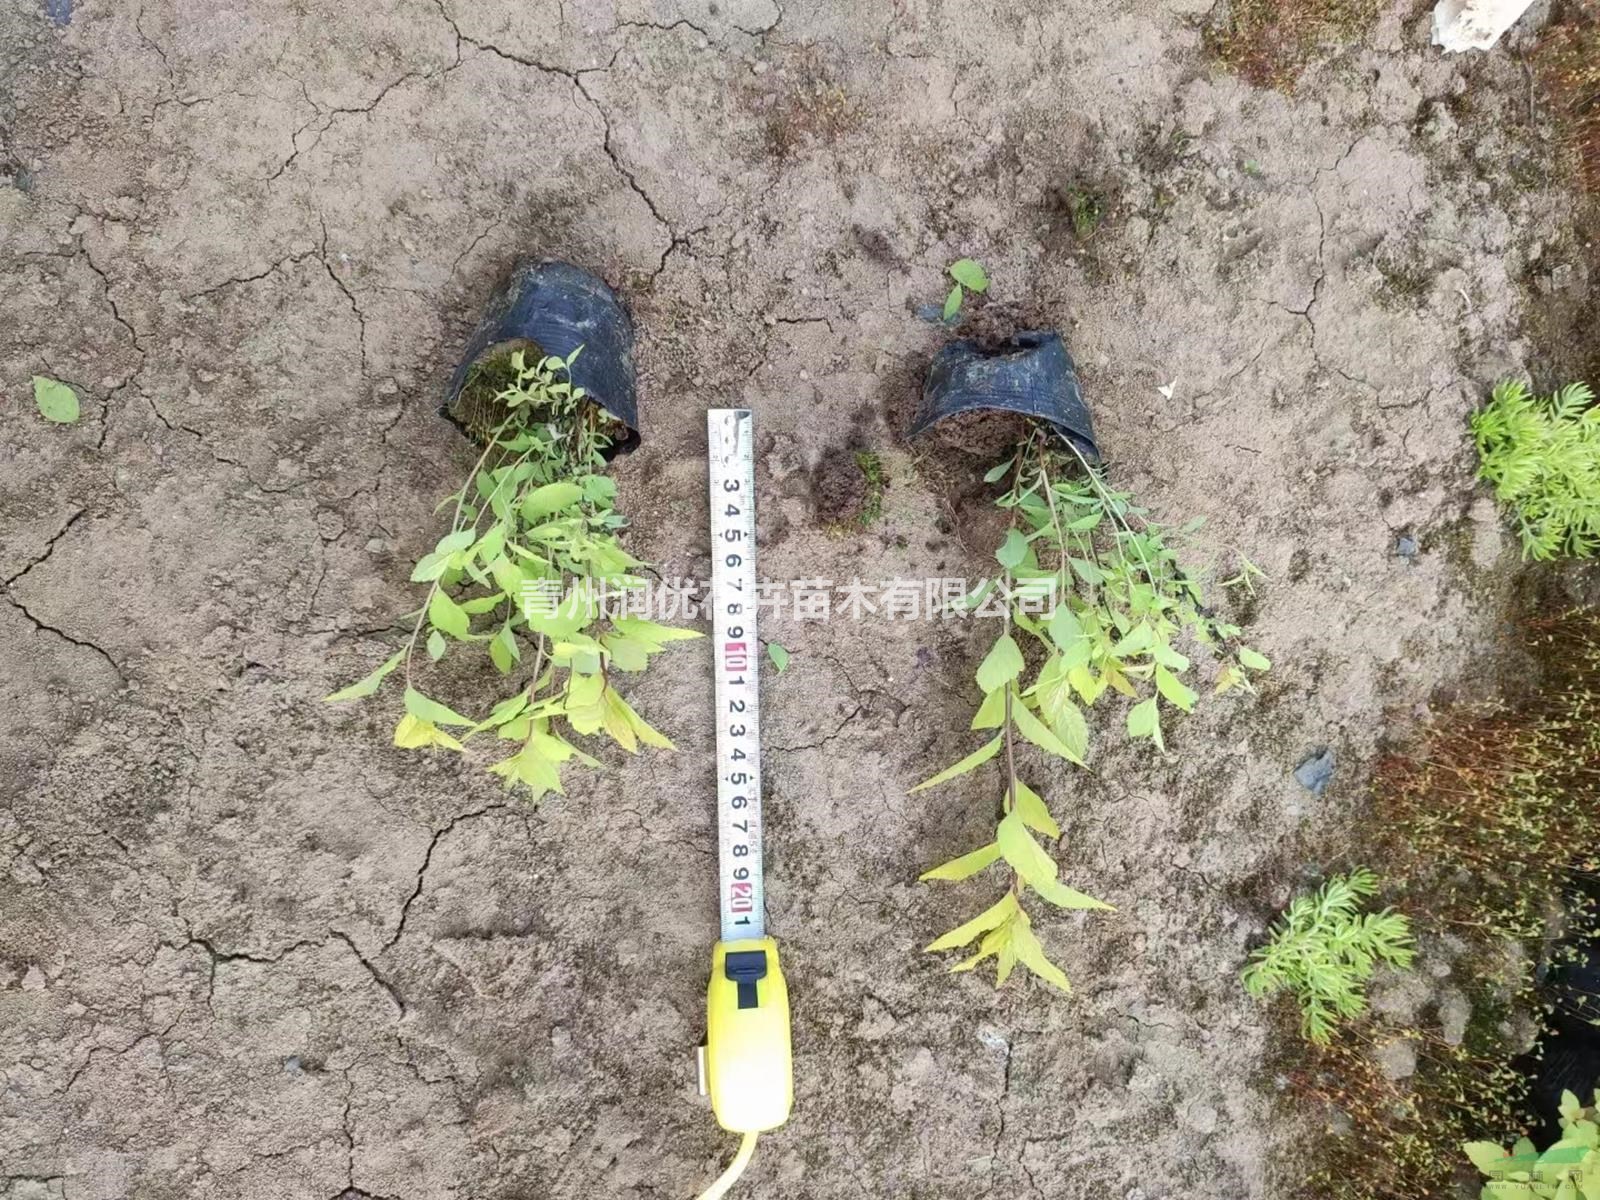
1270,42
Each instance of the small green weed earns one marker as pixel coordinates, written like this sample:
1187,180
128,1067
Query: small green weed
871,464
1086,209
1325,950
1542,456
970,277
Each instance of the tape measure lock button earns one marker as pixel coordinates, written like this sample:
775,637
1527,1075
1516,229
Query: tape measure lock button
746,968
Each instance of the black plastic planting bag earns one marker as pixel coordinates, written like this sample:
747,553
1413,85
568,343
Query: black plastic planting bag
1030,373
558,307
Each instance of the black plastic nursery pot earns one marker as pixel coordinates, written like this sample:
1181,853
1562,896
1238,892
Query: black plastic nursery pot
554,307
1030,374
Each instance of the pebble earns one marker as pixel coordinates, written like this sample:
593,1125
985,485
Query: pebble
1406,547
1397,1060
1315,773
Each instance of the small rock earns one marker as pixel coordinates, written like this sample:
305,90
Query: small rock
1406,547
1315,773
1400,996
758,68
1397,1060
292,1065
994,1040
33,981
1454,1013
1561,277
560,1039
1202,1118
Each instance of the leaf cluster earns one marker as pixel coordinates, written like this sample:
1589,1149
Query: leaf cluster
1542,456
1325,949
1568,1170
531,551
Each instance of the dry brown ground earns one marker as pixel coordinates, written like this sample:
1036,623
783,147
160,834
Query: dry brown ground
249,950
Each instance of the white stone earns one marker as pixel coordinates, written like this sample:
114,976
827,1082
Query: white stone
1474,24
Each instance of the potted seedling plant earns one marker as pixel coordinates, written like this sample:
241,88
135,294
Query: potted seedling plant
529,570
1093,604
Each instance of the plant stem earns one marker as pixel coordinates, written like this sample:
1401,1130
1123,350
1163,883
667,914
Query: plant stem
455,519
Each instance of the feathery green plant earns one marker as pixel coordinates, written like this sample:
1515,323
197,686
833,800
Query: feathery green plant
528,586
1096,584
1325,949
1542,455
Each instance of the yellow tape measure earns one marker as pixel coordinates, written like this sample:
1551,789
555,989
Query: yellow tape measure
747,1066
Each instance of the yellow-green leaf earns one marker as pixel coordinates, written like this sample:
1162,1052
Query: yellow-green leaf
1486,1156
991,713
1026,856
1031,808
504,651
414,733
432,711
1031,955
971,762
647,734
996,942
965,866
550,498
1002,664
1030,727
1145,721
365,686
1002,909
445,615
1253,660
1063,896
1175,690
650,631
969,273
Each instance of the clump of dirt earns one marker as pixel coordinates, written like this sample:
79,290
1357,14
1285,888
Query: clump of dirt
839,487
988,434
994,326
1270,42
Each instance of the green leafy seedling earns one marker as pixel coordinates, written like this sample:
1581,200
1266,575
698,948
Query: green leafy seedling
969,276
531,547
1324,951
57,402
1092,589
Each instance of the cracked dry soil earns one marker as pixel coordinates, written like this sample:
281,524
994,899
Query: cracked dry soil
249,950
